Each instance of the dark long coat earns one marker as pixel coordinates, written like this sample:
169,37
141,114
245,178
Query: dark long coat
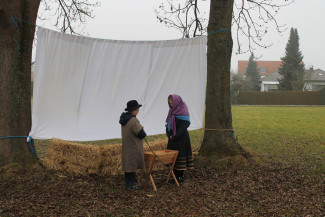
182,143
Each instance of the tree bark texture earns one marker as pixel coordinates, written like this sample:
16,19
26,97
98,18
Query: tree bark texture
16,42
218,137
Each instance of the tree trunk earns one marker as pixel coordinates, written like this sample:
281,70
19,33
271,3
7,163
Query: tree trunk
16,42
218,137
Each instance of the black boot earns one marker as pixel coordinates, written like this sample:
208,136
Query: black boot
179,174
131,181
127,180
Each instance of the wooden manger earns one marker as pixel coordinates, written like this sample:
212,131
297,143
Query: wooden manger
166,157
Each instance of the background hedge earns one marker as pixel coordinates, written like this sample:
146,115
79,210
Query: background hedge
282,97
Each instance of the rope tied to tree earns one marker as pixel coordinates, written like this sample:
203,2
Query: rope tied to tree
14,21
221,30
29,139
231,133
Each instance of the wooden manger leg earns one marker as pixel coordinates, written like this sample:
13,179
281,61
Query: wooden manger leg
150,161
167,157
171,171
175,178
169,174
152,182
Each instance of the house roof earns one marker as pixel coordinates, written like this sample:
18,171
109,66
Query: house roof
274,76
270,66
310,75
315,75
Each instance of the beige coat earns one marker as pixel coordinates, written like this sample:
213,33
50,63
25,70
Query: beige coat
132,147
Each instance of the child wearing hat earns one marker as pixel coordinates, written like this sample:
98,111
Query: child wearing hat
132,147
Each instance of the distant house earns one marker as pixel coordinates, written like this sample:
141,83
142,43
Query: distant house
270,82
314,80
265,67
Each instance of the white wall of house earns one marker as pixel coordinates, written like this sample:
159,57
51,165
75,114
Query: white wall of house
269,85
314,85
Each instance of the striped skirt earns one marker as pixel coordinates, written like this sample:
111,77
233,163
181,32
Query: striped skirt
185,156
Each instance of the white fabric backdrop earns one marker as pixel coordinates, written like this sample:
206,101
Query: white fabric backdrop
82,85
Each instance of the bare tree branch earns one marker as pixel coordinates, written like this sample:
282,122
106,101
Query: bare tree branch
186,17
70,14
251,18
255,29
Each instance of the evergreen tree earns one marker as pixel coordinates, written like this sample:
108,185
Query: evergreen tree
292,68
253,79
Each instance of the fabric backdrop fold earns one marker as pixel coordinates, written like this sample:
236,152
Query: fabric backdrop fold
81,84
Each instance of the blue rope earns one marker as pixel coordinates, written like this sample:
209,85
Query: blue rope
14,20
221,30
29,139
231,133
226,42
24,21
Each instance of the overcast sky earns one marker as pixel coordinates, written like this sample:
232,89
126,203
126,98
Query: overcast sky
136,20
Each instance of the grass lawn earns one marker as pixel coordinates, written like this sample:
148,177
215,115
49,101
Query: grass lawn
290,135
289,140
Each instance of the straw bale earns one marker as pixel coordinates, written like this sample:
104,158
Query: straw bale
111,170
158,144
72,157
70,152
111,160
67,167
84,159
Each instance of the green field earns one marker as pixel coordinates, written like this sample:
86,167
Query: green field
291,135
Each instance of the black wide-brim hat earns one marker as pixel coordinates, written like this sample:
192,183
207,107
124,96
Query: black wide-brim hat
132,105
